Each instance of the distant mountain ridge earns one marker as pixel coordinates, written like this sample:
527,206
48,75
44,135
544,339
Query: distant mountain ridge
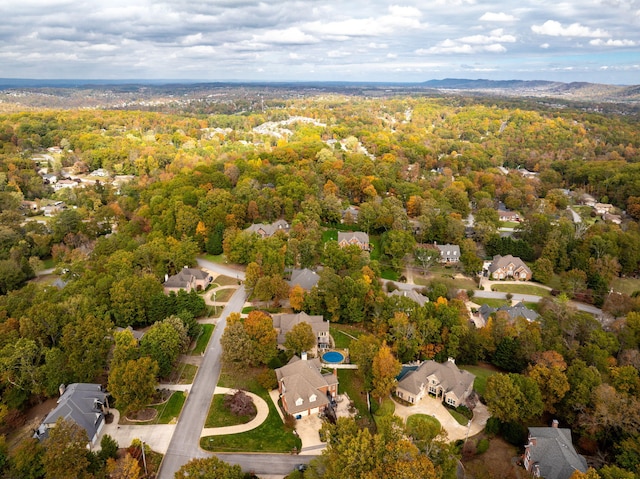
577,91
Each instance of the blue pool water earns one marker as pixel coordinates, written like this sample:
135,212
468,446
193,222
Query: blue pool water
333,357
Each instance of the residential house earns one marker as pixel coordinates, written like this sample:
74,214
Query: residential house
268,230
283,323
30,206
53,209
62,184
303,388
138,335
100,172
602,208
550,454
514,312
83,403
506,215
443,380
505,267
305,278
350,214
187,279
449,253
358,238
412,294
588,200
615,219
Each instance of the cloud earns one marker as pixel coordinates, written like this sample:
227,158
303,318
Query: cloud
497,17
556,29
612,43
290,36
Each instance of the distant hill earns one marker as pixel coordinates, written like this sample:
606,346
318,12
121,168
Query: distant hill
576,91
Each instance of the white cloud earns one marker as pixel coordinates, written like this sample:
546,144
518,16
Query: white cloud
338,54
545,46
392,55
497,17
556,29
377,45
400,11
290,36
612,43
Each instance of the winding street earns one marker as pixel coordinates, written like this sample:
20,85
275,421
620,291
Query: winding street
185,442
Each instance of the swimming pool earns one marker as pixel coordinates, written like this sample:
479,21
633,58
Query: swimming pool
333,357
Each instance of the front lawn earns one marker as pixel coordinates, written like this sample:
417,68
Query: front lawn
481,373
223,295
458,417
416,420
219,258
390,274
169,411
187,373
521,289
225,280
220,416
203,339
270,436
626,285
494,303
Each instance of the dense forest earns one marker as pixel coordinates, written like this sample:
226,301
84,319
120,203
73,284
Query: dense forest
187,182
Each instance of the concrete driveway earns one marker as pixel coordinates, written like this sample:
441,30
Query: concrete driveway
434,407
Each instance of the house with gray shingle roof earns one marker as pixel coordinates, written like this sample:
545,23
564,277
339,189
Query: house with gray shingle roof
304,390
514,312
267,230
550,453
359,238
283,323
443,380
412,294
83,403
305,278
449,253
187,279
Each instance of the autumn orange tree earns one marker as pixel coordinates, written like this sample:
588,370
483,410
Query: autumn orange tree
385,369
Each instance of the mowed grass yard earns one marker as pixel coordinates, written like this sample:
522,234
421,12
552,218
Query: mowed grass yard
270,436
626,285
482,373
521,289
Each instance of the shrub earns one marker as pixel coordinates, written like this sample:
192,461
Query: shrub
492,427
240,404
267,379
391,286
483,446
108,448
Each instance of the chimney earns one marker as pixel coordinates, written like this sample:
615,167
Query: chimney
335,372
303,355
61,389
452,360
166,278
554,423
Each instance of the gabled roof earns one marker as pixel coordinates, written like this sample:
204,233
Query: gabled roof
285,322
264,229
412,294
80,403
305,278
449,250
503,261
517,311
184,277
450,378
553,452
302,379
350,236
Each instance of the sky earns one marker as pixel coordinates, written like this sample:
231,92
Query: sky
329,40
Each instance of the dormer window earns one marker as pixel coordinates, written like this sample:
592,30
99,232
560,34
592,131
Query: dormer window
312,398
299,401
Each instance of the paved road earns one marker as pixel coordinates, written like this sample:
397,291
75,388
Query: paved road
576,217
530,298
221,269
185,443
